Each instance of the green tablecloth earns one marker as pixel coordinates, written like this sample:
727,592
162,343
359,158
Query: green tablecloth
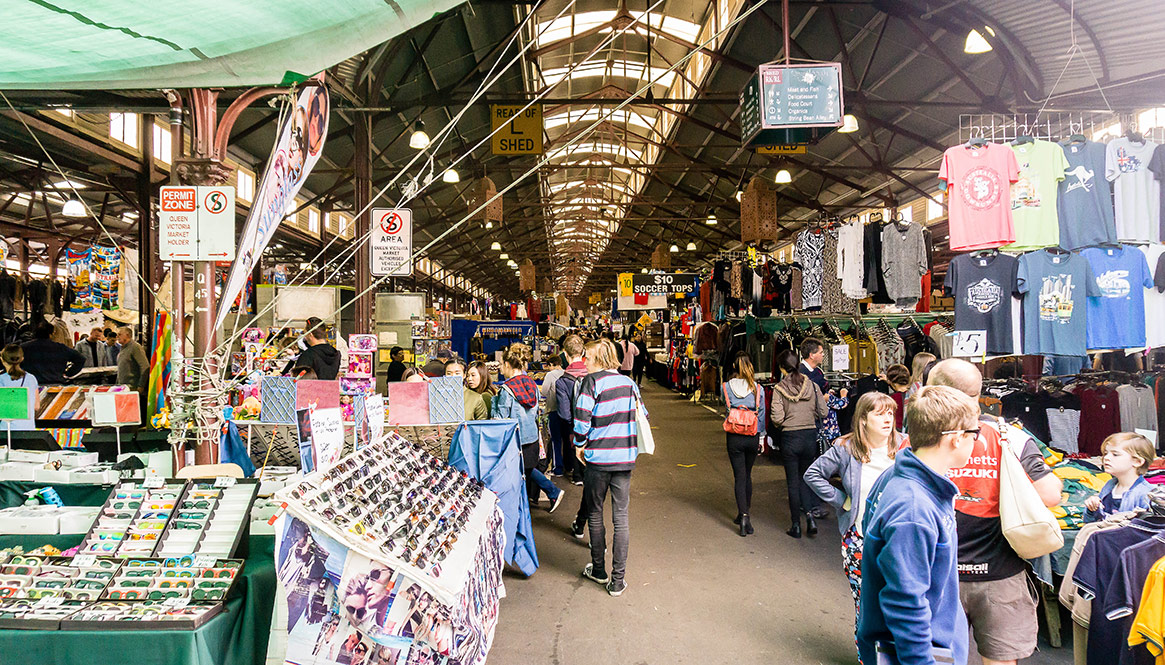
237,636
12,493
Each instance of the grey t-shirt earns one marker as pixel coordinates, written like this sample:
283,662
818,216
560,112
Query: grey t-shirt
982,289
1055,309
1138,198
1085,201
904,262
1157,168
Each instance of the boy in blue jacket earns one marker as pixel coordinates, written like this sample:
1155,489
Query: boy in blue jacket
910,612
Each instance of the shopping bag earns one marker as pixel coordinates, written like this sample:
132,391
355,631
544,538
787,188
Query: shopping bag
1028,525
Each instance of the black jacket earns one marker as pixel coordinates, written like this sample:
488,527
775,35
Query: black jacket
323,358
50,362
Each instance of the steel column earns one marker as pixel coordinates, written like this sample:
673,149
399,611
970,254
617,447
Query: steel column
362,164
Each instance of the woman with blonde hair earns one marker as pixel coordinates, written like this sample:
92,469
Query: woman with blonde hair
917,369
858,459
742,395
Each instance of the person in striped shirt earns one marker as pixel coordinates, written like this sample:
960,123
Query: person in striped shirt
606,440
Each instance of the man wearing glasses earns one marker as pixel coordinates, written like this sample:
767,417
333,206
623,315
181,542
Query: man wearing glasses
910,612
993,585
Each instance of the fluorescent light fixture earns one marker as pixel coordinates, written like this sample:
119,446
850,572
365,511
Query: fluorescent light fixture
849,124
976,43
691,246
711,221
74,208
419,140
783,177
69,184
497,246
451,176
739,195
673,249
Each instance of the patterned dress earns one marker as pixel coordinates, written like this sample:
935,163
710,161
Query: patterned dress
834,299
810,248
829,430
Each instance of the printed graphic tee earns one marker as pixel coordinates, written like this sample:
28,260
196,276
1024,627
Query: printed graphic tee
1055,306
1116,315
982,288
1085,198
810,248
1138,193
978,181
1033,196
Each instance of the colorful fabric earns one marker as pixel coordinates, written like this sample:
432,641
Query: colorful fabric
851,563
77,263
68,437
525,390
829,430
159,363
103,274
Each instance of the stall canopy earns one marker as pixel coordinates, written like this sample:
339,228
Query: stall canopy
127,44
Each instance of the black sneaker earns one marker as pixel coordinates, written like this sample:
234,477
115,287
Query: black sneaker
578,530
616,587
557,501
589,573
577,481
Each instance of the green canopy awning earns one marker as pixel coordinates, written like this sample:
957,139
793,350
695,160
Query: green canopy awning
131,44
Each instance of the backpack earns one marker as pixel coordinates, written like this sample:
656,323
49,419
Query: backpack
741,420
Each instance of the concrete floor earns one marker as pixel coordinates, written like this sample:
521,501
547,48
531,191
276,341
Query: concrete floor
697,592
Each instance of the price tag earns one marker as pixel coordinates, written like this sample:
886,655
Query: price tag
969,343
841,357
205,561
154,482
176,603
85,560
224,481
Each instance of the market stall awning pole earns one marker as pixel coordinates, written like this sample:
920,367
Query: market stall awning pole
363,191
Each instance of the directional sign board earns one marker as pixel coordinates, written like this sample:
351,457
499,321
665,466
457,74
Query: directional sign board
521,130
391,244
791,105
196,224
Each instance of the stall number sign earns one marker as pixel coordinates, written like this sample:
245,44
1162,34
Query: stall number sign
969,343
391,244
196,224
663,283
516,131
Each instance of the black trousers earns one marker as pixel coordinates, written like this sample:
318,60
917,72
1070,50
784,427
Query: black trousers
742,452
637,373
570,464
598,484
798,450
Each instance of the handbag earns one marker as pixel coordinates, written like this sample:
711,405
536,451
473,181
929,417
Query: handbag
1028,525
645,439
741,420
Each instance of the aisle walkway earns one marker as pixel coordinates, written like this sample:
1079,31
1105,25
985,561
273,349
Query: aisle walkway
697,592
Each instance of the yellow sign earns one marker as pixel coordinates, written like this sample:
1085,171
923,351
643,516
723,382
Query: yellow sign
626,290
596,298
521,132
799,149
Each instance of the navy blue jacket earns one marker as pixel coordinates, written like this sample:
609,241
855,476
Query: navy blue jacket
910,578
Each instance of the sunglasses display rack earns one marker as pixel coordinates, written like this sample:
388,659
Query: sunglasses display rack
180,517
38,592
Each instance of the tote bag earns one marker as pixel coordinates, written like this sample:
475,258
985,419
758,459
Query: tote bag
1028,525
646,440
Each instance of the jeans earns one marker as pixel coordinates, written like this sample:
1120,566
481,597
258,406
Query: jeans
536,480
597,484
556,454
570,464
637,373
742,452
798,450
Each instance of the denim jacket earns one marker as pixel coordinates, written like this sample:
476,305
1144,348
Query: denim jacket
838,461
1136,496
506,407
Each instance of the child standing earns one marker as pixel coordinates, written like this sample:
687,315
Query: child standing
899,379
1126,458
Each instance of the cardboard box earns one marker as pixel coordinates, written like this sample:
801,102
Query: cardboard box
94,475
58,476
76,519
74,458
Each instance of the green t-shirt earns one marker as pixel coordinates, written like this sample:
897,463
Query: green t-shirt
1033,195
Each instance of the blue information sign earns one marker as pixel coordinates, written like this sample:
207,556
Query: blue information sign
801,96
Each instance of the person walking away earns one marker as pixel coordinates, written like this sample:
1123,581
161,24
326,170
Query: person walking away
743,393
477,378
14,377
565,393
641,359
553,368
813,355
797,405
474,404
993,583
627,358
606,438
93,349
518,400
133,367
50,362
909,611
858,459
899,379
318,354
1126,458
396,368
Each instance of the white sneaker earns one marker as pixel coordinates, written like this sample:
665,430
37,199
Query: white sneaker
558,501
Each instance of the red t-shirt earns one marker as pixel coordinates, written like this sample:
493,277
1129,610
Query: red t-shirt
979,195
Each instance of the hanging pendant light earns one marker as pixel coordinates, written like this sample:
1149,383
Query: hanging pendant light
419,140
450,176
674,249
711,221
849,124
783,177
739,195
691,246
489,225
643,270
74,208
976,43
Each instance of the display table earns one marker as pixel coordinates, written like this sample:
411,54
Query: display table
12,493
238,635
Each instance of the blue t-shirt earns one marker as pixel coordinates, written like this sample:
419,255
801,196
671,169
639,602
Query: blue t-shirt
1085,201
1055,288
1116,315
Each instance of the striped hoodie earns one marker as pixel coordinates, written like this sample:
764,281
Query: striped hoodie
604,420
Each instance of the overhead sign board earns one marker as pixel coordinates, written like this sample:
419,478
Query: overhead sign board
196,223
782,149
521,130
665,283
793,104
391,242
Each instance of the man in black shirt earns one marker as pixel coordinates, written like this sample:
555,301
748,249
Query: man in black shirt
50,362
319,355
396,368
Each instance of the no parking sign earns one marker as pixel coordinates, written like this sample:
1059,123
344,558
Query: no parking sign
391,243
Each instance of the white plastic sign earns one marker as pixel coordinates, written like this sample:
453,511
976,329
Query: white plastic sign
841,358
327,434
374,411
391,242
969,343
